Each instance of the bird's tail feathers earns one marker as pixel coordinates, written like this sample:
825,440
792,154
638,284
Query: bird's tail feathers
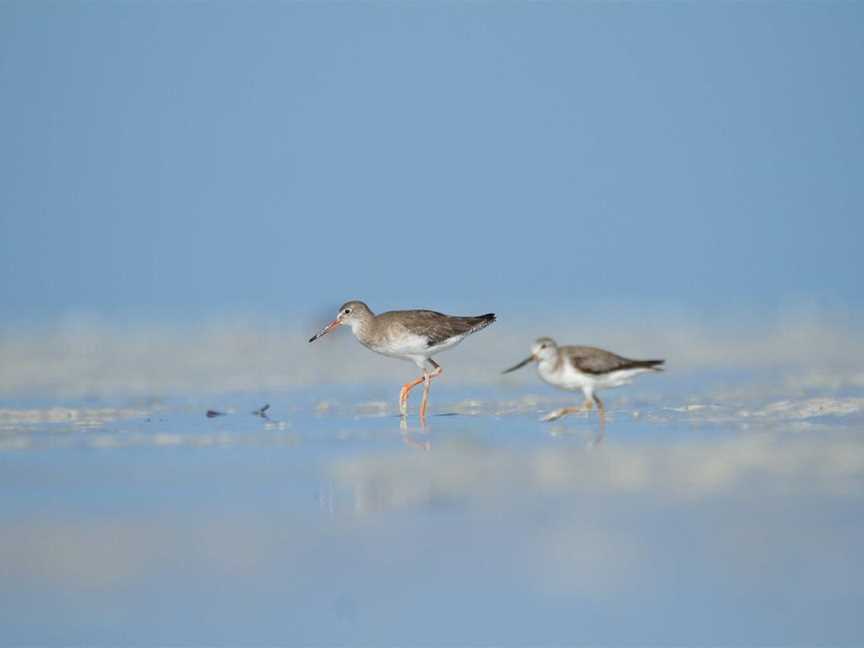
481,321
654,365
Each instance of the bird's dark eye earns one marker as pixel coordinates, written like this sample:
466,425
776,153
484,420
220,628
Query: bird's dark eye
347,311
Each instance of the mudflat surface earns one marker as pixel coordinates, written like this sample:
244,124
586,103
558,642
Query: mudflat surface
719,518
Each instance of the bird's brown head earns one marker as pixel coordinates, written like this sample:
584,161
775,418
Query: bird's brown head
350,313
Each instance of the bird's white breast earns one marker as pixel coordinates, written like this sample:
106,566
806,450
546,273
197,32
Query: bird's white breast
563,376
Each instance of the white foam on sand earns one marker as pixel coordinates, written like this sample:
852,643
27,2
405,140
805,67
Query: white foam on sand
73,417
107,427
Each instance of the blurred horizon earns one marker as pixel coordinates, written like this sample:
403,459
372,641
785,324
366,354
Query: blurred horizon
802,351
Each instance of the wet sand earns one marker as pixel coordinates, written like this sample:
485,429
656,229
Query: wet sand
709,520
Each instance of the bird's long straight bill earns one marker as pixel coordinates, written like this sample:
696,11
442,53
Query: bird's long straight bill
325,330
520,365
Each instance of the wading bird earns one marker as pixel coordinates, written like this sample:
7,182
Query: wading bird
581,367
414,335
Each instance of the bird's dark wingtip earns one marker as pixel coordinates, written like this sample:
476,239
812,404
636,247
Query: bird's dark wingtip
481,321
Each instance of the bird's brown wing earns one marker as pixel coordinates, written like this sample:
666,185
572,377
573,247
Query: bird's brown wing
592,360
437,327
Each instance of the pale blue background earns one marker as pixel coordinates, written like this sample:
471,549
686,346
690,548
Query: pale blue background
178,160
188,190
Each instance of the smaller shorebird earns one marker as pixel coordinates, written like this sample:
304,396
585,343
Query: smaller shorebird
583,367
413,335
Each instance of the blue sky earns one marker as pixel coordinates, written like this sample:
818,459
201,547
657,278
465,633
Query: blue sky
184,160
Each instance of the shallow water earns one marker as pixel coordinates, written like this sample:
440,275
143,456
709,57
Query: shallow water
714,520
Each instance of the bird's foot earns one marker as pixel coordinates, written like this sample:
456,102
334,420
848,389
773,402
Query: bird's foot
554,416
564,411
403,401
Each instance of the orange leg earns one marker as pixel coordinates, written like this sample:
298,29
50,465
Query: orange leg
564,411
403,395
427,380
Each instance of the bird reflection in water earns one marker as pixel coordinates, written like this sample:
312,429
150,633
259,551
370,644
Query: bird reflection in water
596,438
408,434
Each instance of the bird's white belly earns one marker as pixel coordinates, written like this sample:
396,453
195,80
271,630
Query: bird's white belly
412,347
401,346
566,377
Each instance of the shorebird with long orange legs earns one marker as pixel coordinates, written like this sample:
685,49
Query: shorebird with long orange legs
413,335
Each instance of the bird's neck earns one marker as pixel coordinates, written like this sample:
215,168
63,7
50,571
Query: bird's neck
549,365
362,327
